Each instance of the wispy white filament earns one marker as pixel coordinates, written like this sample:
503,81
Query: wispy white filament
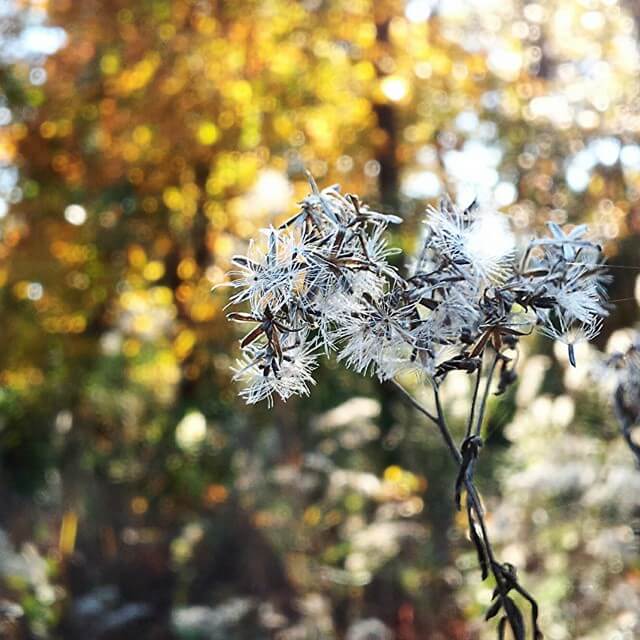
323,281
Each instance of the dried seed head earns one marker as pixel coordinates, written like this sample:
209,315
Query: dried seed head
323,279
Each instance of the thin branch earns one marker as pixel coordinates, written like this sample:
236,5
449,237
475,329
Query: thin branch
474,400
414,402
440,422
483,404
503,582
442,425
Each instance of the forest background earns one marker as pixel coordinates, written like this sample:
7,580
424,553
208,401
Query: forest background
141,145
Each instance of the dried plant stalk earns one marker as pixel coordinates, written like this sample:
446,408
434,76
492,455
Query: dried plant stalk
322,282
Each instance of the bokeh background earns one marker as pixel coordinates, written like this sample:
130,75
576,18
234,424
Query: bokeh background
142,143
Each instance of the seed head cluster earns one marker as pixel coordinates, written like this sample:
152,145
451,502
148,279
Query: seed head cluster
324,282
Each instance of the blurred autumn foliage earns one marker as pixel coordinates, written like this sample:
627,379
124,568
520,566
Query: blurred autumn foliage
141,145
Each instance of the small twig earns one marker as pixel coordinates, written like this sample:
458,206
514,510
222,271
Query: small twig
474,400
440,422
414,402
485,395
442,425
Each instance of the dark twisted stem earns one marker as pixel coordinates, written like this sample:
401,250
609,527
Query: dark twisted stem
472,493
439,421
473,497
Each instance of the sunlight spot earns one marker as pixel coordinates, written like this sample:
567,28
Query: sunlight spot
271,193
421,185
467,121
490,240
41,40
577,178
505,63
191,430
592,20
395,88
630,156
607,150
75,214
35,291
418,10
505,193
